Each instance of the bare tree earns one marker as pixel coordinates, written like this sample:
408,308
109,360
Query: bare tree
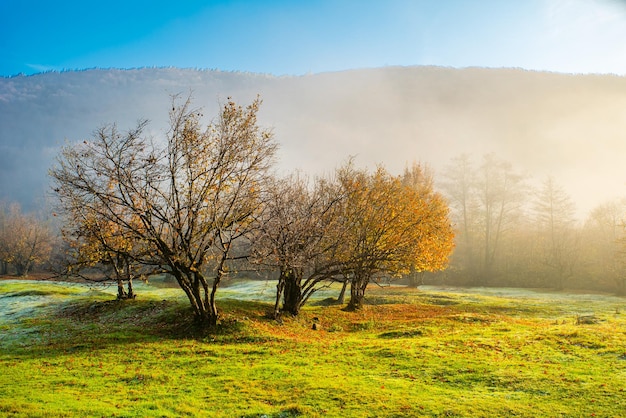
298,236
187,202
557,236
487,203
604,242
459,185
501,194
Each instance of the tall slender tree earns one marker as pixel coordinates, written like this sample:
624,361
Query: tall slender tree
604,246
557,237
459,185
501,194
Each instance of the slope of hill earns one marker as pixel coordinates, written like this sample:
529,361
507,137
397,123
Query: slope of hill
570,126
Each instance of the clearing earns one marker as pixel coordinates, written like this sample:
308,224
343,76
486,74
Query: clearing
71,350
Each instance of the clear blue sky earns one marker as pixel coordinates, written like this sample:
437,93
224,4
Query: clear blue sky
301,36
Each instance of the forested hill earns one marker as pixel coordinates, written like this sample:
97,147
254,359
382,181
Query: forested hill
570,126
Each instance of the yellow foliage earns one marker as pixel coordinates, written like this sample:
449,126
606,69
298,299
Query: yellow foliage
394,226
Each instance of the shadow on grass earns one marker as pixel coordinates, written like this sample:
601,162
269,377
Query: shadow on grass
409,333
88,325
326,302
288,413
440,300
33,292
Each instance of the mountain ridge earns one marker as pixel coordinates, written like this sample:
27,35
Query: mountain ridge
568,125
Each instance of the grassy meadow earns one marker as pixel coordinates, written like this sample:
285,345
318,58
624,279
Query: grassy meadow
72,350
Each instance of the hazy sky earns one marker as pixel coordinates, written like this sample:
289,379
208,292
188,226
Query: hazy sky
300,36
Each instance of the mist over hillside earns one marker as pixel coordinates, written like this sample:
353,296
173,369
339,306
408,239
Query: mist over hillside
572,127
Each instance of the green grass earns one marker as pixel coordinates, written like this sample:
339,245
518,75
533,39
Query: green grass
73,351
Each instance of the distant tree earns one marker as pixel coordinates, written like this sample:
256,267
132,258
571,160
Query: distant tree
557,236
487,203
604,246
518,256
188,202
297,236
25,240
390,228
459,185
96,241
5,254
501,194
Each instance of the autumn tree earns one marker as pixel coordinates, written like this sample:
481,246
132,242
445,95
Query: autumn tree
420,178
297,236
389,228
95,241
25,240
187,201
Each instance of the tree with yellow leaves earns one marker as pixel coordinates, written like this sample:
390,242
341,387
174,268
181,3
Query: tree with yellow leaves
25,240
390,227
96,242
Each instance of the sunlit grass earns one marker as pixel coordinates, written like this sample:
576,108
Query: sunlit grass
409,353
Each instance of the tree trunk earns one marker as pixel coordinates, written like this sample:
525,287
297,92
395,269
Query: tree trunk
621,287
4,268
127,273
560,282
212,312
280,286
131,290
292,297
185,283
121,292
416,279
205,310
22,269
342,295
357,293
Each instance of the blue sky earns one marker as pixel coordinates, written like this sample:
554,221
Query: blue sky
301,36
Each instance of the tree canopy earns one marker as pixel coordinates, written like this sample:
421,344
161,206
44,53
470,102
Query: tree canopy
391,227
134,206
184,203
25,240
